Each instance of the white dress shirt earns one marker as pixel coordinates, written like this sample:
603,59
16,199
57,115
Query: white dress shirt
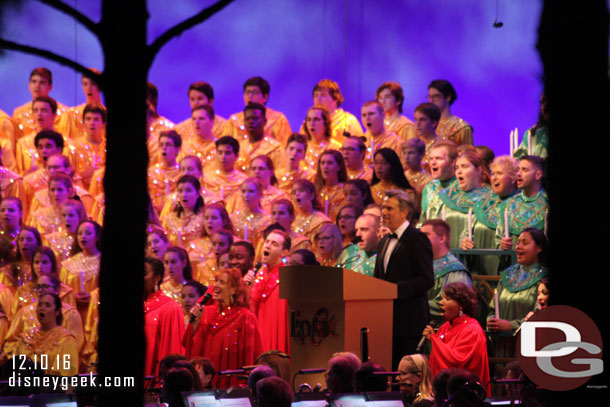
392,244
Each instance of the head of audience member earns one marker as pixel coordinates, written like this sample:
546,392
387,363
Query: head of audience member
258,373
170,143
439,234
303,257
153,275
439,385
366,381
48,142
532,247
357,192
222,240
442,157
94,119
229,289
296,148
27,242
327,242
41,82
241,256
367,226
341,374
177,380
251,192
200,93
167,362
205,369
529,174
202,121
188,194
262,168
256,90
227,152
43,263
346,221
425,119
275,247
254,120
504,175
215,217
317,124
513,372
48,311
397,207
388,169
441,93
156,242
470,171
465,390
191,165
178,265
487,154
372,118
89,237
413,151
391,96
415,378
544,287
191,291
188,365
354,151
60,189
11,214
273,392
331,169
458,299
304,196
278,361
328,94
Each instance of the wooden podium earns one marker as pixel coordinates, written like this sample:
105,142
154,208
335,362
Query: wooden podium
327,306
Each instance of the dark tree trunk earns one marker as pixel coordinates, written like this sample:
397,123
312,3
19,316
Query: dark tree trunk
121,337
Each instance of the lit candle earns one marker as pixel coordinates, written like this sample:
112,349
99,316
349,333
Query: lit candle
529,143
326,206
94,160
470,223
246,232
82,281
511,139
372,147
516,142
428,213
444,215
496,304
506,226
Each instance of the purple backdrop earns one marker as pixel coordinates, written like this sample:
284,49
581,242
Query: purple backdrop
293,44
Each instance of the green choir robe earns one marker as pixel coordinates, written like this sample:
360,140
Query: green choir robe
523,212
355,259
447,269
540,143
431,203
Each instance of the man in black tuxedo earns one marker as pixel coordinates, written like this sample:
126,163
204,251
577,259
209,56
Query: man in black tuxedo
404,257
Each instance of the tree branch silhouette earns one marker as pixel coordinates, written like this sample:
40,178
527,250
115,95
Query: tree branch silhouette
72,12
179,28
50,56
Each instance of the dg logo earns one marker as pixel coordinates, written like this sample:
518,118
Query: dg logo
560,348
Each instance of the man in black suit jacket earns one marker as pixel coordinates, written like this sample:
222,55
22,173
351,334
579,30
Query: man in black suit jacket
404,257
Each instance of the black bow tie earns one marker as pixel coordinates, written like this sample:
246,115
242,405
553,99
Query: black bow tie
393,236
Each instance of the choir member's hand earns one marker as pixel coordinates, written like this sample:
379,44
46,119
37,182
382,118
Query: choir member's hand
496,325
196,311
428,332
82,297
467,244
506,243
249,277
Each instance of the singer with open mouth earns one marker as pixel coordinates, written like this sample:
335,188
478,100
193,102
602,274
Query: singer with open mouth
460,342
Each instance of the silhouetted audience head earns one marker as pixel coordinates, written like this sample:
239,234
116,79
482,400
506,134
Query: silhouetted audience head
205,369
439,386
167,362
259,373
178,379
465,390
273,392
341,374
278,361
366,381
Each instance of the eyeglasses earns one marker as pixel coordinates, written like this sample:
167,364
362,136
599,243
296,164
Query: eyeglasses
39,287
434,97
348,149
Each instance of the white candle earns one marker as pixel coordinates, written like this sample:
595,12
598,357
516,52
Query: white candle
82,281
326,206
511,139
516,142
94,160
529,143
506,226
496,304
428,213
246,232
470,223
444,215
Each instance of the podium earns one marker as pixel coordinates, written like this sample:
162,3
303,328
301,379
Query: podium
327,306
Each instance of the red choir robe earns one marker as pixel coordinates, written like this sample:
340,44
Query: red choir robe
461,343
163,329
270,310
230,338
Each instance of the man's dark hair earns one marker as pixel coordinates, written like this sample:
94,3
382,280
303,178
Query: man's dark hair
228,141
259,82
52,135
445,88
95,109
202,87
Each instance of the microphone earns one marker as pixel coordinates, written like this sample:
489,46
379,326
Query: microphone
256,268
206,298
420,345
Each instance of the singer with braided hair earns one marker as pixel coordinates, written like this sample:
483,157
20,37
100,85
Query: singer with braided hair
460,342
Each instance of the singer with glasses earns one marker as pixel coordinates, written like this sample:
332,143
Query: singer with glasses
460,342
225,331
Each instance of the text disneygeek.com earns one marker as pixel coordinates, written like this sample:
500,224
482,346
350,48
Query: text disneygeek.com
66,382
